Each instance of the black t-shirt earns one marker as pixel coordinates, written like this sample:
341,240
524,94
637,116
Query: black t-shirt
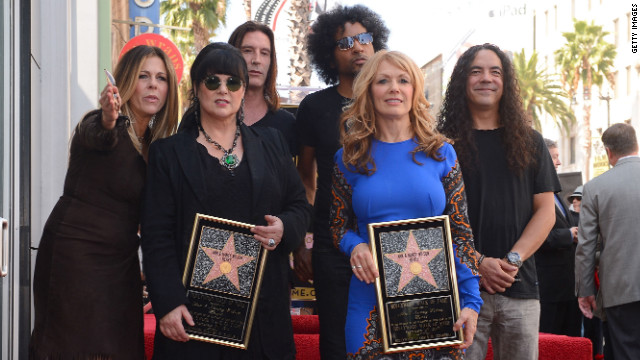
501,203
285,122
318,121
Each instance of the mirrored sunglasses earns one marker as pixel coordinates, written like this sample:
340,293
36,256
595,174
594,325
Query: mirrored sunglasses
347,43
213,83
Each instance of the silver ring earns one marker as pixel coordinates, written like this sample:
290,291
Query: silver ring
353,267
359,266
272,242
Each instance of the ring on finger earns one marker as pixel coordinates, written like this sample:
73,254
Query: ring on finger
272,243
359,266
353,267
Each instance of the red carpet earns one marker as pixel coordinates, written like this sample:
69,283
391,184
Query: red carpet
559,347
306,328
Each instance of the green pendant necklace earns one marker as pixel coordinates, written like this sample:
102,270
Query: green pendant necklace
229,160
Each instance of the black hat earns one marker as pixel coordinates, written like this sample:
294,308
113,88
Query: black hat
577,193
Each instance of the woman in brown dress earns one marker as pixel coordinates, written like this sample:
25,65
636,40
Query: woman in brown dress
87,287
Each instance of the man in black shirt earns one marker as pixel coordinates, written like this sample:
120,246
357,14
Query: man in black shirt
341,41
261,100
510,181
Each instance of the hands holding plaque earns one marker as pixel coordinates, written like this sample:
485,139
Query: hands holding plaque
410,268
397,188
362,264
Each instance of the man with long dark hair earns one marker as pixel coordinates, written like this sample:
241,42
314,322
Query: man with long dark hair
510,181
341,41
261,100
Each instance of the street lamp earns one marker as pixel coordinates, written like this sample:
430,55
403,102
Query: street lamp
607,99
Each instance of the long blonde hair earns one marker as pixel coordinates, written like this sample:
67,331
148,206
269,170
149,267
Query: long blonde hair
358,122
126,76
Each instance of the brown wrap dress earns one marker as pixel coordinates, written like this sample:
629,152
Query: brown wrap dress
87,285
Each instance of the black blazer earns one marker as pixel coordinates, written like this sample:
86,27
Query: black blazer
555,260
174,194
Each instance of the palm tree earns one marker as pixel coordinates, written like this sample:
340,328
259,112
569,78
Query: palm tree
586,57
247,8
300,68
541,93
203,17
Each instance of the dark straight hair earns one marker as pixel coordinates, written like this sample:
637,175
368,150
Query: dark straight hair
236,38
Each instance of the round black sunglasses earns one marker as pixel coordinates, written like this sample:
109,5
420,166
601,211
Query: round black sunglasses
213,83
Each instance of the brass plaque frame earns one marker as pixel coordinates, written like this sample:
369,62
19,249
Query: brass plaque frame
222,276
417,290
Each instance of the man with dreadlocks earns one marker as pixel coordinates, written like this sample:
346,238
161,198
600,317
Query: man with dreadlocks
340,43
510,182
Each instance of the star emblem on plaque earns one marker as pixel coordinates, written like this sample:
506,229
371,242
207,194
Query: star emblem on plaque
417,293
223,263
222,276
415,262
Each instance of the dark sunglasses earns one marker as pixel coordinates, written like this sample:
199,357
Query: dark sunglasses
347,43
213,83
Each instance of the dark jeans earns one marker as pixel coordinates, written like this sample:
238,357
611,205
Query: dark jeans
608,347
622,326
331,277
560,317
593,332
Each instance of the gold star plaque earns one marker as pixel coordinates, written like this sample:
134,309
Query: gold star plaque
222,277
417,291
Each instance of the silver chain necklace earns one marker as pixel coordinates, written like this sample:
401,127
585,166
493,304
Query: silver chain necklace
229,160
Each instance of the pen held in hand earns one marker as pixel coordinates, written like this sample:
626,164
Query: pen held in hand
111,80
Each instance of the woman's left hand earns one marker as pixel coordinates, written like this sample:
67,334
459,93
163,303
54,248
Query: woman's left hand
468,318
270,235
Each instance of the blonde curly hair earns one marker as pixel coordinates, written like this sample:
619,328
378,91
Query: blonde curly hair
358,122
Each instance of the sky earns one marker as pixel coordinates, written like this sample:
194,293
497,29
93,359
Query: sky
423,29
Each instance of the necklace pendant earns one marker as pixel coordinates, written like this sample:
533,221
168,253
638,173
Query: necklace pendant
229,161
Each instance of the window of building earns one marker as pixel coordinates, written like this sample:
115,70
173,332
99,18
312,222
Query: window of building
615,32
546,22
628,68
617,84
573,9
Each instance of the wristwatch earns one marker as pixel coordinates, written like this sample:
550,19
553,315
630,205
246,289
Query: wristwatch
514,258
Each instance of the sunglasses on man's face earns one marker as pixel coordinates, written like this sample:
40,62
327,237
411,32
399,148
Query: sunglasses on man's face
347,43
213,83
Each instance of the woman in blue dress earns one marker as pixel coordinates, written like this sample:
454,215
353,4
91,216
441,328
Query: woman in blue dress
395,166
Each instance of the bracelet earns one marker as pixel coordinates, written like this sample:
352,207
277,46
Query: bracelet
480,260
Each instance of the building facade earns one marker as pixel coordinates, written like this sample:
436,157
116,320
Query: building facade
612,102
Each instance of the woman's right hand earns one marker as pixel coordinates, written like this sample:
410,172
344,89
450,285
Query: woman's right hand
362,263
171,324
110,105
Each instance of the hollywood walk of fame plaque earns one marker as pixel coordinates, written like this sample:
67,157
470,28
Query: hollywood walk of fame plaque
222,277
417,289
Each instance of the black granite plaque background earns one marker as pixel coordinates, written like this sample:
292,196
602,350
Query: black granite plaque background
417,290
222,299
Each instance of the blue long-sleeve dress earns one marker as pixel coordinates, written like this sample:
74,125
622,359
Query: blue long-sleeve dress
399,189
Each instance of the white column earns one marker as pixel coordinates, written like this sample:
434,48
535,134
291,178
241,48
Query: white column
64,87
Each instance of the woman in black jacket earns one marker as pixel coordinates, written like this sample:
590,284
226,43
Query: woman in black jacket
217,166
